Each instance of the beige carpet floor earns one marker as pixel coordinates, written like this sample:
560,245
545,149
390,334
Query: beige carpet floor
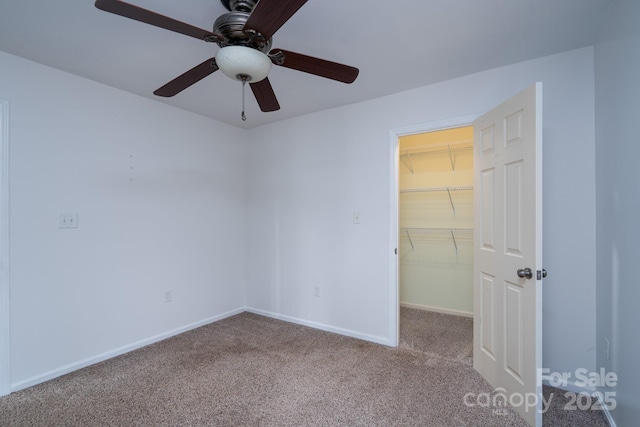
250,370
451,337
437,335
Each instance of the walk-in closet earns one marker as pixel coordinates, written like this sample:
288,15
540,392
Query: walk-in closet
436,221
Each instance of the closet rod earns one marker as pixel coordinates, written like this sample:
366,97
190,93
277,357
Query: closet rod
444,147
429,189
452,233
437,229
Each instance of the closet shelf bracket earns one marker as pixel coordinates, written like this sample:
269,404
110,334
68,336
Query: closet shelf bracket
453,208
406,159
410,241
453,237
453,163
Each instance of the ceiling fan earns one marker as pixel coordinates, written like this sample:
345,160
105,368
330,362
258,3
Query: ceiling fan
244,35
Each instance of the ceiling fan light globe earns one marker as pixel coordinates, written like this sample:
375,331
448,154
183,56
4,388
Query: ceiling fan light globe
238,61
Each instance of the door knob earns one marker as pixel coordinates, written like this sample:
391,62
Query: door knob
525,272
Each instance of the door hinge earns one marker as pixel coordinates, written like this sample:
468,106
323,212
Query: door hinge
396,251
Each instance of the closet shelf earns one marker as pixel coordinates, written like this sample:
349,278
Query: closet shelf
445,147
427,230
448,190
453,236
435,189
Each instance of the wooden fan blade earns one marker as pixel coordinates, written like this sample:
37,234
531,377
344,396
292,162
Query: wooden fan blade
316,66
148,17
265,95
185,80
269,15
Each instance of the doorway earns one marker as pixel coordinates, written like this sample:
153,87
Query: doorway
508,273
399,238
435,205
436,221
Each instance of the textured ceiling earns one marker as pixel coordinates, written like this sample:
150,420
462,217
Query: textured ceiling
397,45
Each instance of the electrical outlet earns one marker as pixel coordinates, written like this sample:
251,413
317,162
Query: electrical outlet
607,348
316,291
168,296
356,217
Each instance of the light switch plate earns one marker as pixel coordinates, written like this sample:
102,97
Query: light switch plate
68,220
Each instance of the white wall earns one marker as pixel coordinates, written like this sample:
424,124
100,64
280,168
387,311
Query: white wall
184,222
161,198
617,65
310,173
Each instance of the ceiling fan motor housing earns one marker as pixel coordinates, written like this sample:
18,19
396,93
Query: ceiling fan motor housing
230,26
240,5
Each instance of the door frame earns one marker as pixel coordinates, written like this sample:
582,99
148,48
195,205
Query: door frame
394,167
5,318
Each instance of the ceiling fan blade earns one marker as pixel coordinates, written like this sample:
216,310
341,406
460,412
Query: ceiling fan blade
269,15
185,80
148,17
265,95
316,66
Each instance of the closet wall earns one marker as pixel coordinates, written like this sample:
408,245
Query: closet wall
436,221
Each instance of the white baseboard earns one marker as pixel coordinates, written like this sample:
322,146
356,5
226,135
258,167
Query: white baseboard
436,309
572,387
607,414
63,370
569,385
322,327
118,351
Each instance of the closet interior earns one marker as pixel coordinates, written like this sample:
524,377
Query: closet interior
436,221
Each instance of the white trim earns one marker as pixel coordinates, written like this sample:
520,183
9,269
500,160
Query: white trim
323,327
63,370
5,294
452,123
607,413
394,134
394,247
571,386
437,309
119,351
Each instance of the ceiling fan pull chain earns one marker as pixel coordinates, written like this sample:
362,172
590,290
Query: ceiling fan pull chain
244,83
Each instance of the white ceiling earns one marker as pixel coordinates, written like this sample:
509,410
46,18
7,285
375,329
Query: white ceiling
398,45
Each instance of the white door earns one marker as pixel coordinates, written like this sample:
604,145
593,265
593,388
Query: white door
507,347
